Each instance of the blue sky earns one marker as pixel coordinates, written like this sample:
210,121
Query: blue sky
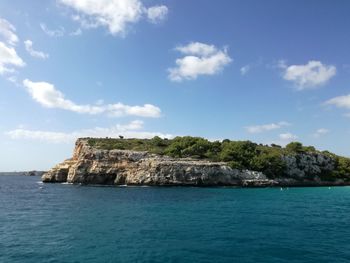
267,71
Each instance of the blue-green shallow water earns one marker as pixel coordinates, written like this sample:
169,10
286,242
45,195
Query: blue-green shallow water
68,223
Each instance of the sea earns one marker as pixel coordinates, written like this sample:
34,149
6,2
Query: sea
73,223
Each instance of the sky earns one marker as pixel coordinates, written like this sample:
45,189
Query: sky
267,71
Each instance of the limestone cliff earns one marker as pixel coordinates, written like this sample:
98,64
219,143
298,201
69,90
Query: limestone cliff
124,167
119,167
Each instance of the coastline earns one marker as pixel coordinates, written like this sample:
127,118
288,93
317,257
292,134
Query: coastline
93,166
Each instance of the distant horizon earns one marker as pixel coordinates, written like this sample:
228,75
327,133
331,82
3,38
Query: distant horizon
268,72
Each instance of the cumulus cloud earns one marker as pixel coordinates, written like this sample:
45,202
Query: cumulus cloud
48,96
34,53
197,49
320,132
288,137
116,15
9,59
7,32
266,127
52,33
311,75
199,59
130,130
157,13
340,101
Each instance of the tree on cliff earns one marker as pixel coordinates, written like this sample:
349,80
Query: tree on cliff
295,147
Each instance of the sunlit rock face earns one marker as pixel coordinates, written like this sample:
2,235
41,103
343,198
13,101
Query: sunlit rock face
122,167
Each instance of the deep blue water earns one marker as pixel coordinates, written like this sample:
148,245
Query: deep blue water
70,223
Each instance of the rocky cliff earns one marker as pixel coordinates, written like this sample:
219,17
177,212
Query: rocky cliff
90,165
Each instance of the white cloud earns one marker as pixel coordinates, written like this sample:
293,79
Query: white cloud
34,53
48,96
244,70
116,15
197,49
130,130
200,59
310,75
8,55
9,59
7,31
288,136
340,101
119,109
157,13
52,33
266,127
133,125
55,137
320,132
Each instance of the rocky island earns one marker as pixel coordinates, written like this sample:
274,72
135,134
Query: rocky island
193,161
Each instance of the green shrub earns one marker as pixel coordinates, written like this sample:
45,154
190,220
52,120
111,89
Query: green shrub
295,147
239,151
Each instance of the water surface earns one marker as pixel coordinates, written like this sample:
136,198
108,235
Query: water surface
71,223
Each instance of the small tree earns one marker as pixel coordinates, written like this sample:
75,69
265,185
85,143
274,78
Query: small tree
295,147
241,152
157,141
309,148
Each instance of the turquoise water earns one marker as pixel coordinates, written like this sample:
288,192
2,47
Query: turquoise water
69,223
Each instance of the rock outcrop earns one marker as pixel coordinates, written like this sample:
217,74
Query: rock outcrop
123,167
308,165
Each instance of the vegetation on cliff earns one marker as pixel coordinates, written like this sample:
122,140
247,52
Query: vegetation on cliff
237,154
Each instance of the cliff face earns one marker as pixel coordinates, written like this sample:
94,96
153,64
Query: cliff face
120,167
123,167
308,165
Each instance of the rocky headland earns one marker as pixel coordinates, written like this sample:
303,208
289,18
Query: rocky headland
95,165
